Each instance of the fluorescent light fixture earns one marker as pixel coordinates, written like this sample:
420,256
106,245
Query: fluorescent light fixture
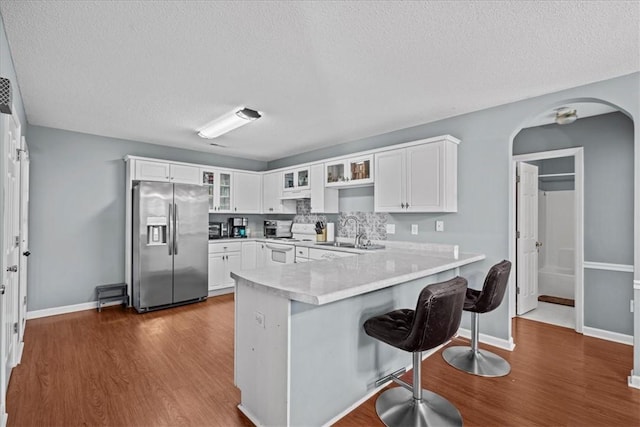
565,116
228,122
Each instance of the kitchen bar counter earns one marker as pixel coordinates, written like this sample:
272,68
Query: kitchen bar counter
301,355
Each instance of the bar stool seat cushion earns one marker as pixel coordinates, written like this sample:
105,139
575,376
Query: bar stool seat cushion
490,297
434,321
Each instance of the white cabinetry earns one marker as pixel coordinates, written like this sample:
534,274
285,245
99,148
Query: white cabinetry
296,179
323,199
349,172
419,178
146,170
223,259
246,192
272,195
219,183
249,255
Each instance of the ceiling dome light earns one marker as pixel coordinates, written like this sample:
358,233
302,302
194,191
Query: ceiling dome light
565,115
228,122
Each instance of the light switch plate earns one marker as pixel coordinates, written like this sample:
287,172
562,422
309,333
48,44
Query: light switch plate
391,229
414,228
439,225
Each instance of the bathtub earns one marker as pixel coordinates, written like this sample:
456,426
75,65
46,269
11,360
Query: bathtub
556,281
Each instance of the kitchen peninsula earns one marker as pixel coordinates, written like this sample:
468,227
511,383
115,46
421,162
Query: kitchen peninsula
301,356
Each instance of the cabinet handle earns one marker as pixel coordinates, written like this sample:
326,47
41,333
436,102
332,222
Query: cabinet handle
407,205
402,205
235,209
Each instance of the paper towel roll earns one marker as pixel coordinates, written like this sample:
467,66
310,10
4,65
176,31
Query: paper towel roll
331,232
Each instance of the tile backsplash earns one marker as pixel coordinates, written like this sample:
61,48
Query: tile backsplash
373,224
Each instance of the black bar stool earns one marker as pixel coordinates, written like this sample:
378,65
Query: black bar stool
434,321
471,359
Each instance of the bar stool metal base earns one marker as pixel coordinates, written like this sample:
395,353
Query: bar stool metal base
482,363
397,407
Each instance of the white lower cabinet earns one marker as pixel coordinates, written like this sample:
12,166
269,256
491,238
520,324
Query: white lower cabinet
223,259
249,255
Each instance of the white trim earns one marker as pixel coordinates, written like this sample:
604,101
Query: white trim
20,352
5,417
541,155
249,415
633,380
489,339
625,268
54,311
222,291
636,284
375,390
608,335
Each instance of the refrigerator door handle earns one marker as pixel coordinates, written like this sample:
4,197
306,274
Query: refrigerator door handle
177,230
170,231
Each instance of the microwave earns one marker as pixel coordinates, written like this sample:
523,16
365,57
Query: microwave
218,230
277,228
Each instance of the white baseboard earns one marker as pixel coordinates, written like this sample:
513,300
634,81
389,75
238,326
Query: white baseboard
20,351
222,291
608,335
634,380
54,311
249,415
489,339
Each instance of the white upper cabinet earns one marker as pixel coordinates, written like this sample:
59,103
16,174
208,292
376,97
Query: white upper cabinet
247,192
419,178
272,195
146,170
323,199
219,183
295,179
349,172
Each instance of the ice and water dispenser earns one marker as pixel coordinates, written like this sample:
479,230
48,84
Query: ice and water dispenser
156,230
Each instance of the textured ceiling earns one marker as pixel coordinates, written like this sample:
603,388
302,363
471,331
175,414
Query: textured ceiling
323,73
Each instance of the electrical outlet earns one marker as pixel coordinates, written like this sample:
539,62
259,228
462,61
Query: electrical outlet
439,225
259,318
414,228
391,229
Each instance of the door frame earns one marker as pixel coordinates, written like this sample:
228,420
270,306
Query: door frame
578,160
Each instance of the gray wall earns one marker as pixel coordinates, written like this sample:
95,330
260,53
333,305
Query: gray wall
78,210
483,221
608,208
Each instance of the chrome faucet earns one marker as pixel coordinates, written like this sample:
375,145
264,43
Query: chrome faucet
359,235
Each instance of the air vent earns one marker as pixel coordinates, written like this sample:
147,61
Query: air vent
217,145
5,95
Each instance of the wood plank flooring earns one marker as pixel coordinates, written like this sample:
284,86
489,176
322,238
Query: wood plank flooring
175,368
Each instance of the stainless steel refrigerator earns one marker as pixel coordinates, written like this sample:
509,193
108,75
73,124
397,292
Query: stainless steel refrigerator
170,244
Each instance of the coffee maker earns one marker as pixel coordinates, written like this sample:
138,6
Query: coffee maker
238,227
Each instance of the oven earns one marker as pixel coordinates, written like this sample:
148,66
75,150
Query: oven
279,253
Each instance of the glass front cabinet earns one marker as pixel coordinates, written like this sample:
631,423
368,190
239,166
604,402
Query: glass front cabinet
296,179
349,172
218,184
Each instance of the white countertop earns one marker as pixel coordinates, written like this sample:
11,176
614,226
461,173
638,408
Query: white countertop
325,281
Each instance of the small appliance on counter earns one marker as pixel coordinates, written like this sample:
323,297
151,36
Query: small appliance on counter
277,229
331,231
238,227
218,230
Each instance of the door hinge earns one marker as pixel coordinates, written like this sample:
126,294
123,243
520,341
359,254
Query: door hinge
518,291
517,179
517,234
15,328
2,289
17,241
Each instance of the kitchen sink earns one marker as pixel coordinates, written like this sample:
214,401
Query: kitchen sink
350,245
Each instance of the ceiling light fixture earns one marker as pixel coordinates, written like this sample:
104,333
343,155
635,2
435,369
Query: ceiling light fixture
228,122
565,115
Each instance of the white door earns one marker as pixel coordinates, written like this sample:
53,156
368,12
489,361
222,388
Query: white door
217,271
24,243
526,238
389,192
11,251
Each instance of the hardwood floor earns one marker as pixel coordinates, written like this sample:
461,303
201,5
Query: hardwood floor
175,367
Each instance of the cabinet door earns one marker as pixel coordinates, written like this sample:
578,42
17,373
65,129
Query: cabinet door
389,188
261,252
218,275
234,263
302,179
223,192
152,171
289,180
249,255
425,178
360,170
210,180
336,172
182,174
271,192
246,192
